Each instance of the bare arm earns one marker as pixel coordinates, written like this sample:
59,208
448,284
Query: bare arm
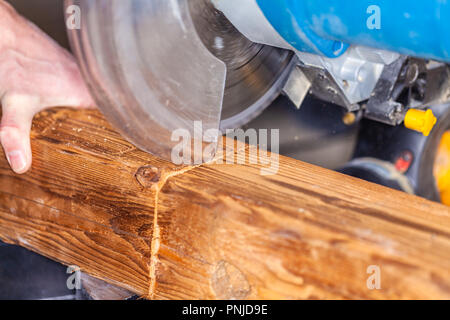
35,73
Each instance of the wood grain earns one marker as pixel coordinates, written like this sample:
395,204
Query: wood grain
217,231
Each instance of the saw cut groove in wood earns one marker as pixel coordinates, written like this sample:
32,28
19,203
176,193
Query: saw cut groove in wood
217,231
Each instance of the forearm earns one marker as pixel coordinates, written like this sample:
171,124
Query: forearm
8,17
21,35
6,8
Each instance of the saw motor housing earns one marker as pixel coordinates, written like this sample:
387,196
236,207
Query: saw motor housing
353,53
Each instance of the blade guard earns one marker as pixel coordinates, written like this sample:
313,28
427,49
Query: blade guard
150,74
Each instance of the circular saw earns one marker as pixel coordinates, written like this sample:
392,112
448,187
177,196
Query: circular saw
160,69
155,67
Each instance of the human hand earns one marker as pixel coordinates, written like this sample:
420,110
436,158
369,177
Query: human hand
35,73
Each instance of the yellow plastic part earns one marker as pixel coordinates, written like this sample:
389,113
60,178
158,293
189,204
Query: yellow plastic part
421,121
441,168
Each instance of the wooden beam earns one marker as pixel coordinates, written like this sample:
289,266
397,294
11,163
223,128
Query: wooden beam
217,230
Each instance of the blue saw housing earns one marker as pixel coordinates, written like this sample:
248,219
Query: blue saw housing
327,27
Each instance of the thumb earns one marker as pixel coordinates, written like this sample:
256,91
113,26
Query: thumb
18,112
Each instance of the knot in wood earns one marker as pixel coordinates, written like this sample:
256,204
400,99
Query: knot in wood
228,282
147,176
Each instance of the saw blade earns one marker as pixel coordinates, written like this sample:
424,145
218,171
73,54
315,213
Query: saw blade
150,74
255,72
158,70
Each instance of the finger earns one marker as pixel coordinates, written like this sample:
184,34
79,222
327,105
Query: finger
18,112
